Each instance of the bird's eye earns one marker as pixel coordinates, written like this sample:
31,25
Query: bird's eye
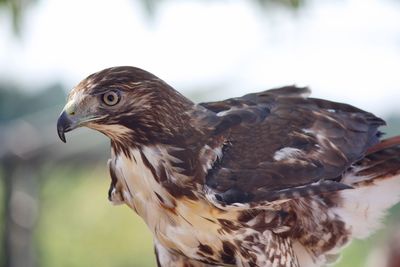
111,98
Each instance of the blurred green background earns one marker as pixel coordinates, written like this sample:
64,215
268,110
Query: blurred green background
54,208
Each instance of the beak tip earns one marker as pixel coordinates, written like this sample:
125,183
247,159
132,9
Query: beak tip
62,137
61,134
63,125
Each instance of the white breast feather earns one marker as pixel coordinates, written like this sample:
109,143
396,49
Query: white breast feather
364,207
140,186
182,230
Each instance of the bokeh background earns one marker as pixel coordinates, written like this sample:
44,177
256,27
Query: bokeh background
54,210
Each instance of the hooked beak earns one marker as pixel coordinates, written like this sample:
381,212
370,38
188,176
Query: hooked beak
70,119
65,124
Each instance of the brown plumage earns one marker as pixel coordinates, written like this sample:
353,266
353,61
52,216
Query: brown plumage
268,179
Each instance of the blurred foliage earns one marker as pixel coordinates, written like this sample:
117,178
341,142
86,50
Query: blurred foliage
286,3
355,254
78,226
17,8
15,103
151,5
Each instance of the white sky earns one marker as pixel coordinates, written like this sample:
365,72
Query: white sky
347,51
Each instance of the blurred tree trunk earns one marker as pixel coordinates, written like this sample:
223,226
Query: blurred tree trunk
20,212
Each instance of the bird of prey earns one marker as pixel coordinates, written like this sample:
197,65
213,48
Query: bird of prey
269,179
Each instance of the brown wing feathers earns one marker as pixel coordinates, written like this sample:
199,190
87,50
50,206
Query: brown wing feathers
285,145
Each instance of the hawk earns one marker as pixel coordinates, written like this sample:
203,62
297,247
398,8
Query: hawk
269,179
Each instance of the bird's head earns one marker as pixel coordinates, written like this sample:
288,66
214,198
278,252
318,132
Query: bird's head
127,104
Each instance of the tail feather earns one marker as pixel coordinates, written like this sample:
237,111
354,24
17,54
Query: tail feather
382,161
387,143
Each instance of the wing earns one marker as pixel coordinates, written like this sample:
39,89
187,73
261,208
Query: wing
280,144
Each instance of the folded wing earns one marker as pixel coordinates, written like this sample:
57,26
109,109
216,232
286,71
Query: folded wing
280,144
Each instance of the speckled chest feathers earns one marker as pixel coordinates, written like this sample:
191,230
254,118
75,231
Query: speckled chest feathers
189,226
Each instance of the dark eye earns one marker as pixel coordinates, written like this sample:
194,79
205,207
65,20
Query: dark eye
111,98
